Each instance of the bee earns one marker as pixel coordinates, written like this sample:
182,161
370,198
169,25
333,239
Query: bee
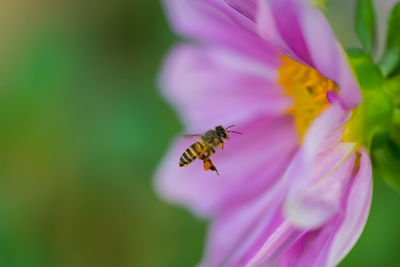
205,147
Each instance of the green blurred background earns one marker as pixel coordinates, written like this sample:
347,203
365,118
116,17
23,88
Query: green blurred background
82,129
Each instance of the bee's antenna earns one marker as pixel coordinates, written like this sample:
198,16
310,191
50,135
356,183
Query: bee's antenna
230,127
234,132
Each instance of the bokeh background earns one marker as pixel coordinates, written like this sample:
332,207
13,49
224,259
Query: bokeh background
82,128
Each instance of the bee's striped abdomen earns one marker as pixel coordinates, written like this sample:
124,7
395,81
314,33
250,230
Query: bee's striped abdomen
191,154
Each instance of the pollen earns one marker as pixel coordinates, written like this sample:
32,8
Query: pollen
308,88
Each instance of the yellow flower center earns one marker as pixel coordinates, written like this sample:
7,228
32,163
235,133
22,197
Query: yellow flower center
308,88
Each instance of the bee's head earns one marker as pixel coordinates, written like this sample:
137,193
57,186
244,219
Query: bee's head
223,133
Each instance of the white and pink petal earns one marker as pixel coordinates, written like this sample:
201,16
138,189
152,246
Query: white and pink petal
328,245
287,245
315,168
314,200
358,204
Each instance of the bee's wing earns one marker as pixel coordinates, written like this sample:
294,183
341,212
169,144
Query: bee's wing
191,135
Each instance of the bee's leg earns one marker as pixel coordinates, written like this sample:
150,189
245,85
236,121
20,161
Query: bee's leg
222,146
208,165
214,169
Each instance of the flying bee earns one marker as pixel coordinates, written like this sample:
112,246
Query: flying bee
205,147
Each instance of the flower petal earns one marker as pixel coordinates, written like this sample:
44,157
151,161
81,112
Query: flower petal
245,7
329,58
328,245
212,87
300,31
255,233
320,155
325,131
313,201
276,245
246,168
279,22
218,23
312,248
236,233
357,209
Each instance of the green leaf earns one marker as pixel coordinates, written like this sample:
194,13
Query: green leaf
392,88
390,61
386,164
365,24
368,74
376,109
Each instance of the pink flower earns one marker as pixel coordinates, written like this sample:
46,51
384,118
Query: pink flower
295,188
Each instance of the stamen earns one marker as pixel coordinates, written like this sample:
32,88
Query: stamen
309,91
